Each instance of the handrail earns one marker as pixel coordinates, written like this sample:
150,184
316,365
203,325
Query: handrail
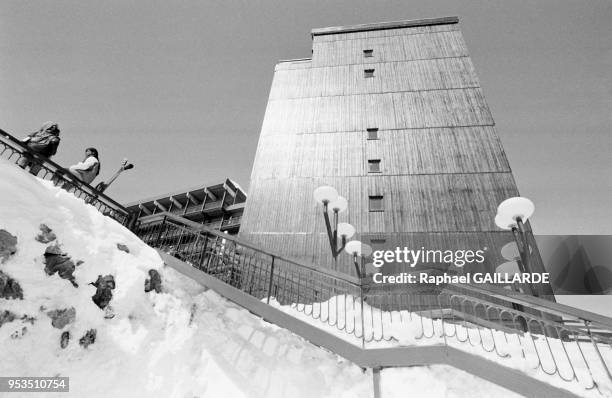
489,291
101,201
537,303
200,227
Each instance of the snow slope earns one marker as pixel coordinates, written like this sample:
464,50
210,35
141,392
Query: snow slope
182,342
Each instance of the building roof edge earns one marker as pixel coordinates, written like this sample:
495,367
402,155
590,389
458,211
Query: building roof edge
294,60
182,191
384,25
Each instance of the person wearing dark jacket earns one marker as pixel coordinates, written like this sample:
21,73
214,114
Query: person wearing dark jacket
43,142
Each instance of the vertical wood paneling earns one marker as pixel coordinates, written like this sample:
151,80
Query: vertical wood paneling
420,109
402,152
430,74
413,203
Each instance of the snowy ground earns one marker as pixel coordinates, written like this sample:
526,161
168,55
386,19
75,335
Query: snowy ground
183,342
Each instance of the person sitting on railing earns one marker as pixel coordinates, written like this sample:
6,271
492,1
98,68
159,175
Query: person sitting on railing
43,142
89,168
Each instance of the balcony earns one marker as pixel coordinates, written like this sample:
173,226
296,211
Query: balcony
231,224
232,221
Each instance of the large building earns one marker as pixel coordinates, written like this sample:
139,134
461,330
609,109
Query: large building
393,116
218,206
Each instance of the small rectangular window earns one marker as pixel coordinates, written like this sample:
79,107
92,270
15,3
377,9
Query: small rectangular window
378,244
368,73
372,134
374,166
376,203
368,53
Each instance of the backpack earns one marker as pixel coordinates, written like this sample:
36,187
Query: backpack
44,143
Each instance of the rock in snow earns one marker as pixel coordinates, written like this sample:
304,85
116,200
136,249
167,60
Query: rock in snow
153,282
63,317
8,245
88,339
6,316
46,235
57,261
104,290
123,247
9,287
65,339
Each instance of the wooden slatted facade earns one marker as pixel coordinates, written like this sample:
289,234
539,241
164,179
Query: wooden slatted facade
443,170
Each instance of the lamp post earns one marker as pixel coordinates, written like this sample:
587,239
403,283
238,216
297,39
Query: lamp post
329,198
511,215
359,251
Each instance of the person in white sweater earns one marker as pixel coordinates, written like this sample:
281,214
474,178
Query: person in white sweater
89,168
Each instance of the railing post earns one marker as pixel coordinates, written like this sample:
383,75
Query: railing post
132,221
178,245
363,340
603,362
161,229
203,252
270,281
376,380
213,252
361,299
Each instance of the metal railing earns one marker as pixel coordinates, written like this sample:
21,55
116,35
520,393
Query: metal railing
238,263
550,338
13,150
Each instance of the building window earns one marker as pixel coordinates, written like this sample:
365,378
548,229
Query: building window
368,73
374,166
368,53
378,244
376,203
372,133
